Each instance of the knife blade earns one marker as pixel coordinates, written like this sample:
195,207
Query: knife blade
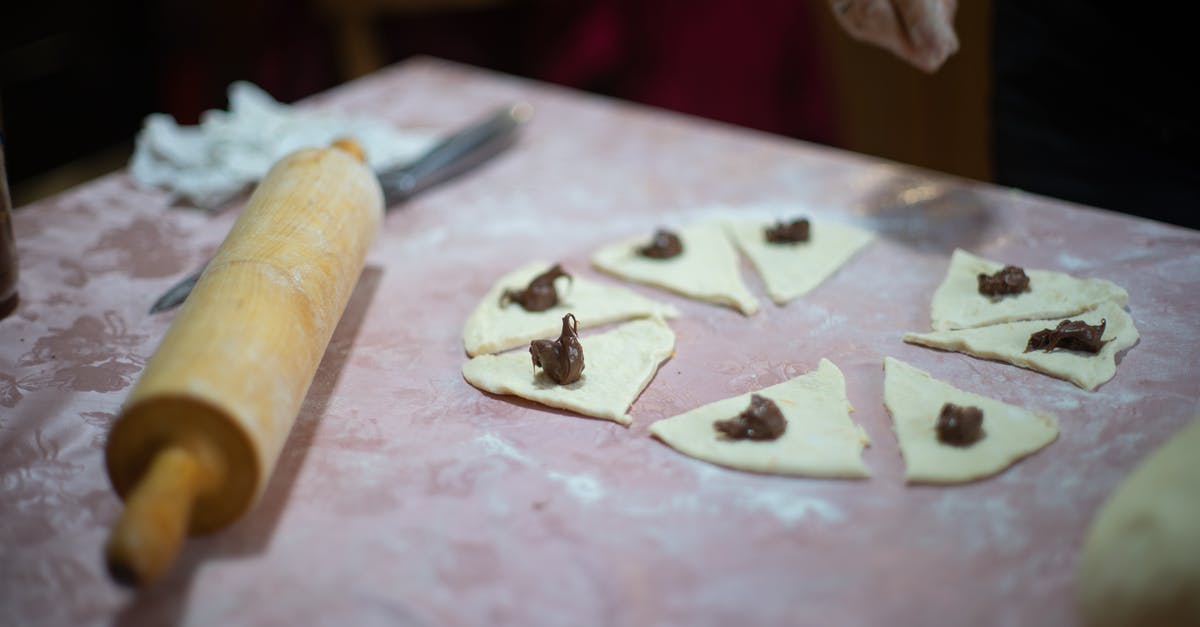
457,153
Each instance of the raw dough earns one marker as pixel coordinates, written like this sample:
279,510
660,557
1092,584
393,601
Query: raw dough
1006,342
792,270
617,366
708,269
1141,559
820,441
914,399
957,303
492,328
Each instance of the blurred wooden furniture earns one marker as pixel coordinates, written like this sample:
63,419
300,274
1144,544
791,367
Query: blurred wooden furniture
883,106
889,109
359,49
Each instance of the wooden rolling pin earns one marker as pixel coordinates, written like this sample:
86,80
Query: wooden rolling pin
202,430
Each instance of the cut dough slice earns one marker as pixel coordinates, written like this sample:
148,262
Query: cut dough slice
915,399
708,269
793,270
820,440
957,303
1006,342
617,366
492,328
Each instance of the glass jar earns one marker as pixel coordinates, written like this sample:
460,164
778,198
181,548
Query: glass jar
8,247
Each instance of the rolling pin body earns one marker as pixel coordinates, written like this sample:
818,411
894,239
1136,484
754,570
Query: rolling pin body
216,401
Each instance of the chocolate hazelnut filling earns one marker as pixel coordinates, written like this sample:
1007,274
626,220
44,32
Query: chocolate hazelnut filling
788,233
1075,335
561,359
762,420
1008,280
664,245
959,425
540,295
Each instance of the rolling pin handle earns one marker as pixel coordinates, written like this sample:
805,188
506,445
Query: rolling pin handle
351,146
147,537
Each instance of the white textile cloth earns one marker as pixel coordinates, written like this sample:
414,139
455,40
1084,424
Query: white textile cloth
208,164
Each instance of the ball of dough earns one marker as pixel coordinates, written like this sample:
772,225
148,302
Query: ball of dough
1141,558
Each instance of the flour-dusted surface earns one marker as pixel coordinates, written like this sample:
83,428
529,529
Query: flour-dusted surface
406,497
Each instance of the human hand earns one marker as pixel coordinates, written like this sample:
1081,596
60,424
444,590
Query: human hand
919,31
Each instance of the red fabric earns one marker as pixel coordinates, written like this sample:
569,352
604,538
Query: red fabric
754,64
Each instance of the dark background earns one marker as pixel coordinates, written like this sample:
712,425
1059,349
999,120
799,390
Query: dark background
77,77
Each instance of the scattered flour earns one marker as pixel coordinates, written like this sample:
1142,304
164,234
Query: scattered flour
982,524
427,241
1071,263
497,446
791,509
585,488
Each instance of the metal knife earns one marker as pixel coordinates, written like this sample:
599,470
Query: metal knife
458,152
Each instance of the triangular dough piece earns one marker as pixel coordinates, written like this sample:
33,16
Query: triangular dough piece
820,440
793,270
708,269
618,364
492,328
914,399
1006,342
957,303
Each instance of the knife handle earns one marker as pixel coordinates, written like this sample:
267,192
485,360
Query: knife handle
455,154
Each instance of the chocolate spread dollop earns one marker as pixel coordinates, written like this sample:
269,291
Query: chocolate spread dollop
762,420
1008,280
959,425
540,295
561,359
789,232
1075,335
664,245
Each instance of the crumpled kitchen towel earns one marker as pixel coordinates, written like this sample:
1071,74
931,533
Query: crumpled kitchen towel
208,164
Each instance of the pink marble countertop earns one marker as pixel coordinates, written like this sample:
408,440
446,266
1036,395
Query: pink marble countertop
406,497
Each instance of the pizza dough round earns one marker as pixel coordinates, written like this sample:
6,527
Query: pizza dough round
1141,558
